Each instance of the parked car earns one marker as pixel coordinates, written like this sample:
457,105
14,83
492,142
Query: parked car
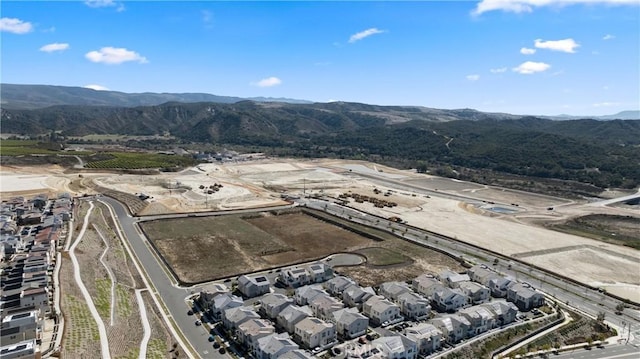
198,322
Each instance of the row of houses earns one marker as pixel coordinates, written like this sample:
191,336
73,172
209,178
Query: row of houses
30,232
319,315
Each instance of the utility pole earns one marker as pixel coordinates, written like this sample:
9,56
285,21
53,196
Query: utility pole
304,187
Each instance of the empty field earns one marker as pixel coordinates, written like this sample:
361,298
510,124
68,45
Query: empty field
200,249
621,230
205,248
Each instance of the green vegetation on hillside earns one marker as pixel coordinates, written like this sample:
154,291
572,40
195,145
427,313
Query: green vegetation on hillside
136,160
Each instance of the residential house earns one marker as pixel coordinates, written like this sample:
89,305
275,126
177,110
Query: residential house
253,286
37,298
477,293
315,333
480,319
427,337
294,277
27,349
233,317
323,305
396,347
205,300
304,295
504,312
453,279
252,330
449,300
391,290
524,297
224,301
291,315
274,346
454,327
274,303
354,295
481,274
319,272
426,285
381,311
336,285
350,323
413,306
499,286
19,327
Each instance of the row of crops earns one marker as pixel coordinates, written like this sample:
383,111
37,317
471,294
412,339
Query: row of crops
121,160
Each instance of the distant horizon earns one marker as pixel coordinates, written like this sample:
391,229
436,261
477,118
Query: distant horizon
310,101
514,56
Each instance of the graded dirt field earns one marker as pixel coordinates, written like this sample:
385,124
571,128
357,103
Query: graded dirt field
207,248
513,225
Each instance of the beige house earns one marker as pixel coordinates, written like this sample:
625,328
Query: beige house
315,333
350,323
427,337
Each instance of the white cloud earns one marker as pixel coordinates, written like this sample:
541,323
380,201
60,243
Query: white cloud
113,56
366,33
498,70
608,37
105,3
15,26
207,16
566,45
522,6
96,87
531,67
267,82
56,46
473,77
527,51
606,104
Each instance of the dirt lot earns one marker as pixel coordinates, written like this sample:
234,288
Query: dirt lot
200,249
621,230
454,208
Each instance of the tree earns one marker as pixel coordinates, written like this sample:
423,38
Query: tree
600,317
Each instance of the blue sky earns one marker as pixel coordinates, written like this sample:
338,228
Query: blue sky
546,57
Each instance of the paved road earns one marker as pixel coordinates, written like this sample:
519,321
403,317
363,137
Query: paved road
617,351
172,295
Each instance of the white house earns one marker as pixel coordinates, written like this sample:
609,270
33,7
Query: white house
337,284
391,290
319,272
323,305
304,295
350,323
206,297
19,327
222,302
253,286
252,330
413,306
274,346
480,319
449,300
294,277
524,297
426,285
454,327
477,293
381,311
291,315
271,304
315,333
354,295
453,279
504,312
427,337
397,347
233,317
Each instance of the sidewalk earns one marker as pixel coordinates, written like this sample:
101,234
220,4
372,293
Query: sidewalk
567,319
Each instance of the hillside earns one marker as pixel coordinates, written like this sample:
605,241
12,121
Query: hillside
601,153
40,96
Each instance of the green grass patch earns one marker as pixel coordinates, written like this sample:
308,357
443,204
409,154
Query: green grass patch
23,147
133,353
383,257
156,349
131,160
123,301
82,327
103,298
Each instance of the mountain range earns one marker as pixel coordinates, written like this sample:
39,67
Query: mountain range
27,97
